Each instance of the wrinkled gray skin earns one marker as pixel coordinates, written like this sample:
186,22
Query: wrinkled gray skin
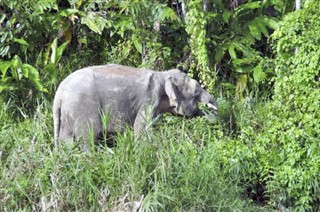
129,95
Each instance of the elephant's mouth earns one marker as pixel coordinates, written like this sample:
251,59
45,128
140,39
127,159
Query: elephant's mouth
172,107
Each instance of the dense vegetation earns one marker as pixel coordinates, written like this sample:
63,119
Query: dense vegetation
259,58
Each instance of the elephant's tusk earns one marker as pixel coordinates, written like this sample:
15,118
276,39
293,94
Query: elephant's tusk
211,106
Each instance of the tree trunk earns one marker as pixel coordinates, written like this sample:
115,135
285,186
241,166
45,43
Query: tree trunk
205,5
298,4
183,9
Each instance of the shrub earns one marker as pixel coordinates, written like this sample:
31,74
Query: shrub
278,156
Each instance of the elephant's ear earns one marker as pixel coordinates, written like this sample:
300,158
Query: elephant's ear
170,89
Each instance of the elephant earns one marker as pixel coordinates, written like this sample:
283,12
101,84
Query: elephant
128,95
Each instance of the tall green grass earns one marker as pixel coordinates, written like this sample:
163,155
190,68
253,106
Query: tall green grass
173,167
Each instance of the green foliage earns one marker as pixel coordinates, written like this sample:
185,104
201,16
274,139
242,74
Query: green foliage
297,98
276,146
144,33
237,37
26,70
14,72
195,26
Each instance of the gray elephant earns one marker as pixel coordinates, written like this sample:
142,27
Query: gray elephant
128,95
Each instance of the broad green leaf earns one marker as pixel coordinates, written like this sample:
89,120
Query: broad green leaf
92,25
20,41
254,30
263,29
243,61
126,50
232,52
270,22
54,46
46,55
16,61
258,74
241,85
243,9
213,15
247,51
79,3
220,51
39,86
262,26
3,86
68,12
19,73
3,17
4,36
250,6
60,50
94,22
249,38
6,84
228,85
83,40
52,72
4,66
32,72
137,44
33,75
67,33
245,68
164,13
226,16
25,71
4,50
124,24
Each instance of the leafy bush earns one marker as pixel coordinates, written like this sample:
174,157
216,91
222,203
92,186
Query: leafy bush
158,35
232,43
277,148
296,116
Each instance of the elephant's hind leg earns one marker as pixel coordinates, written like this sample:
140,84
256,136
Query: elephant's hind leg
88,130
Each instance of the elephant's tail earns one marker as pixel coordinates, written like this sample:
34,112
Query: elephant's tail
57,120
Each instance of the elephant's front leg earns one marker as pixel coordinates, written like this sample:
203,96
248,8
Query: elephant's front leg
143,119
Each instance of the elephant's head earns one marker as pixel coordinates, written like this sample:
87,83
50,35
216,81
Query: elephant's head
185,94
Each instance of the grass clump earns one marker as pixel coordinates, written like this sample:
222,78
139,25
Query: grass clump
174,166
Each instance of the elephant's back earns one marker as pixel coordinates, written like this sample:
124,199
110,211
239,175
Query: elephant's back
79,80
115,70
108,80
121,78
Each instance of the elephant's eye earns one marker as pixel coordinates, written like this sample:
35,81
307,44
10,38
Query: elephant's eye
191,90
197,90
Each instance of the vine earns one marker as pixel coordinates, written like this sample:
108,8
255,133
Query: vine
196,28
